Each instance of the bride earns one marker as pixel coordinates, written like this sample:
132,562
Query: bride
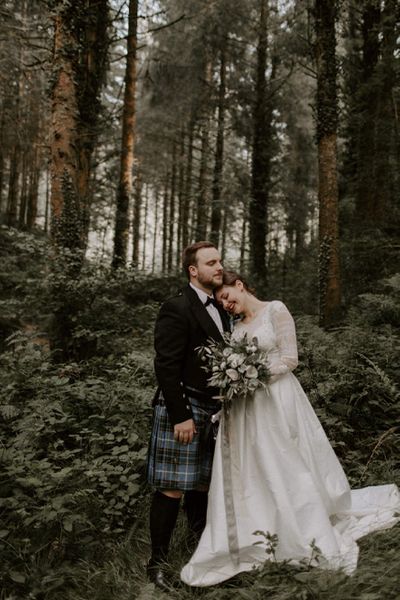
275,471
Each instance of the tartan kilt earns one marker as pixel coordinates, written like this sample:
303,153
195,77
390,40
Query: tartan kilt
174,466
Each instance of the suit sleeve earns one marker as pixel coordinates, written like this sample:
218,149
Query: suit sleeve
170,341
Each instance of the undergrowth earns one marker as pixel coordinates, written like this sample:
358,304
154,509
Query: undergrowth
74,434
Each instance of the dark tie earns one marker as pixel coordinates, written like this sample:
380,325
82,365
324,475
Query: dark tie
211,301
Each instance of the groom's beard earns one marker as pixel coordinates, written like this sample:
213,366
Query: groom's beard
210,282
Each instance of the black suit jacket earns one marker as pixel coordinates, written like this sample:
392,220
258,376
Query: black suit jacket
183,324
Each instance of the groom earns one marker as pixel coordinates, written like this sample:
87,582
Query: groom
181,449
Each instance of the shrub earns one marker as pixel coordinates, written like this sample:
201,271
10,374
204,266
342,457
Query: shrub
73,455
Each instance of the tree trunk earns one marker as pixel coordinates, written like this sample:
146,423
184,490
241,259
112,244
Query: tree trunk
144,236
155,232
165,224
181,199
47,204
171,221
23,201
12,200
2,161
224,230
219,154
33,192
325,49
202,198
66,222
72,95
128,139
79,65
258,210
137,209
352,85
66,226
386,160
243,240
17,155
91,76
367,109
186,212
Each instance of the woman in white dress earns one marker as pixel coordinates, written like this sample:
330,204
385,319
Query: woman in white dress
276,471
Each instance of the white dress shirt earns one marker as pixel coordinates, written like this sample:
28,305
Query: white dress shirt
211,309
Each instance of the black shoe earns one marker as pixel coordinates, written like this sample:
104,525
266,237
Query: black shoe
156,575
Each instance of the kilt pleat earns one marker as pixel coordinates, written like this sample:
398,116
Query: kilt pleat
175,466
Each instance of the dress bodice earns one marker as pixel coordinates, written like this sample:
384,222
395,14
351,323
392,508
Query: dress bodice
276,334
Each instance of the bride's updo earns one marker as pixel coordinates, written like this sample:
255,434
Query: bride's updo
231,277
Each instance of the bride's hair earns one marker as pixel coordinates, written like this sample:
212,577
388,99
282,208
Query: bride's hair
231,277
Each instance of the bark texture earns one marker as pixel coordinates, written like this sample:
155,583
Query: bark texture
137,210
203,196
325,47
261,159
128,142
66,218
367,107
216,206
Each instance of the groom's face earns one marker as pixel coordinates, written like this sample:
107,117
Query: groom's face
208,270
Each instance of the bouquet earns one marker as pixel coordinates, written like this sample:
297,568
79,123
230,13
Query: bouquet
237,366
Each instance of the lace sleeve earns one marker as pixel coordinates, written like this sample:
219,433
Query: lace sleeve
285,333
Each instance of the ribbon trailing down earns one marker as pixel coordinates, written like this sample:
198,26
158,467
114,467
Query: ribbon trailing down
233,541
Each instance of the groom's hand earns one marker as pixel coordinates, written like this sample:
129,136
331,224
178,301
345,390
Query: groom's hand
184,432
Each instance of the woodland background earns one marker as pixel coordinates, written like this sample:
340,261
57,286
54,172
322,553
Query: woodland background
129,129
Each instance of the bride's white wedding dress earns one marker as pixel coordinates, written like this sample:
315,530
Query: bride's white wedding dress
279,474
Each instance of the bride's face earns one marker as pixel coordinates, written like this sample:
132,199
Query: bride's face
232,297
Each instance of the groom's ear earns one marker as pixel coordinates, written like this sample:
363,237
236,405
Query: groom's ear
192,270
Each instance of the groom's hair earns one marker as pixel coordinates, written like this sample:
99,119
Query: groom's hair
189,255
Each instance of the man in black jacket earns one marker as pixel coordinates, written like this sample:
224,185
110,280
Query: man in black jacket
181,449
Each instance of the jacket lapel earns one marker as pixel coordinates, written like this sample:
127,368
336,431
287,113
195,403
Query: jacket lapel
200,313
225,318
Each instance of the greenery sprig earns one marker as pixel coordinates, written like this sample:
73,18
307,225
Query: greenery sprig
237,366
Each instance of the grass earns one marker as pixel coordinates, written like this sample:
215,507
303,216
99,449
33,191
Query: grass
122,576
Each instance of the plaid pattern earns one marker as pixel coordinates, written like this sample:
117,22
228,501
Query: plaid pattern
173,466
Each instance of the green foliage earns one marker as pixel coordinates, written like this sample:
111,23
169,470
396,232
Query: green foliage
73,501
22,267
75,442
350,374
90,314
74,434
368,260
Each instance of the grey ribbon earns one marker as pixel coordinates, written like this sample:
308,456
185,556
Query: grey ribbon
233,542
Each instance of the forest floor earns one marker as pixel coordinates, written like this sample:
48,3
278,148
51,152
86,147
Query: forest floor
123,574
73,500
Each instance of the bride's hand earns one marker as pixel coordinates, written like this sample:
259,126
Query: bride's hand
184,432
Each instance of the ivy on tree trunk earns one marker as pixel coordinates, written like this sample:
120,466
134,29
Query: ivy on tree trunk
325,53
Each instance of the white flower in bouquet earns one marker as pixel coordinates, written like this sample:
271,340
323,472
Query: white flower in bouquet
235,360
236,366
251,348
251,371
232,374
